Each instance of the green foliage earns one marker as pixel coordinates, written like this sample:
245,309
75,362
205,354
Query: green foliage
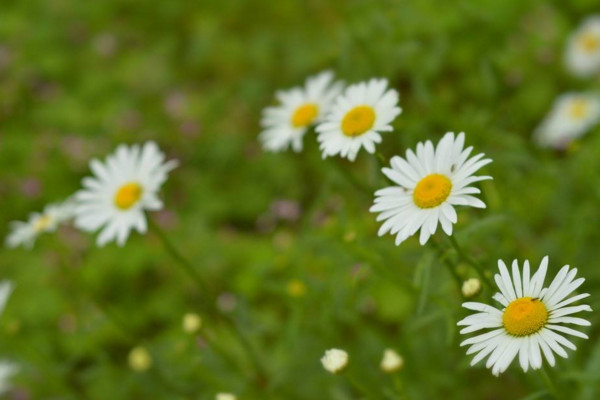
77,78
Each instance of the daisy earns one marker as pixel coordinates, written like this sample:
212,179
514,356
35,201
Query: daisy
582,56
572,115
532,321
25,233
299,109
357,118
429,184
122,188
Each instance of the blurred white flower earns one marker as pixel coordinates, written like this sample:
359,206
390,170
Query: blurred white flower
471,287
6,288
191,322
123,187
571,116
532,321
299,108
357,118
25,233
139,359
225,396
429,185
582,56
7,371
391,361
335,360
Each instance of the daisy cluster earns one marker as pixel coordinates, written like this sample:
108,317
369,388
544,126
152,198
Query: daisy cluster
112,201
345,119
573,114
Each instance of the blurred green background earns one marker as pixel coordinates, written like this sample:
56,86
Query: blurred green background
285,240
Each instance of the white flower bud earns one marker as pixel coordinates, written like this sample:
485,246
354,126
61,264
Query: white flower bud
191,322
335,360
471,287
225,396
391,361
139,359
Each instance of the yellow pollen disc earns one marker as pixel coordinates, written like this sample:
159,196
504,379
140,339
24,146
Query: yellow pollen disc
578,109
128,195
305,115
42,223
589,42
524,316
358,120
432,191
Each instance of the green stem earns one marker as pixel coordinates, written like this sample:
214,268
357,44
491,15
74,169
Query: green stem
353,180
451,266
480,270
183,262
552,389
190,270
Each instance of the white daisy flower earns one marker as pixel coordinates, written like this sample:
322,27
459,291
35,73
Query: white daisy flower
6,288
429,184
357,118
532,321
335,360
299,109
123,187
572,115
25,233
7,371
582,56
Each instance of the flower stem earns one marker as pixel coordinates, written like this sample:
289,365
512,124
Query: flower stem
451,266
183,262
480,270
552,389
230,323
353,180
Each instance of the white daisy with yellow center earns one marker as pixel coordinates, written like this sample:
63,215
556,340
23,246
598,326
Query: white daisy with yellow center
357,118
429,184
582,56
532,321
25,233
572,115
299,109
123,187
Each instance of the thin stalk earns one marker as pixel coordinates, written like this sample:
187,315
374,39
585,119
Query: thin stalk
465,257
191,271
448,263
552,389
353,180
183,262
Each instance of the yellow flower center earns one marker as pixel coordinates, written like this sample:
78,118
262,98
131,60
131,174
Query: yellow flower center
128,195
589,42
524,316
432,191
578,109
42,223
358,120
305,115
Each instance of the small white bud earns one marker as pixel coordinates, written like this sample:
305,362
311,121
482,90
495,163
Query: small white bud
391,361
471,287
225,396
191,322
335,360
139,359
